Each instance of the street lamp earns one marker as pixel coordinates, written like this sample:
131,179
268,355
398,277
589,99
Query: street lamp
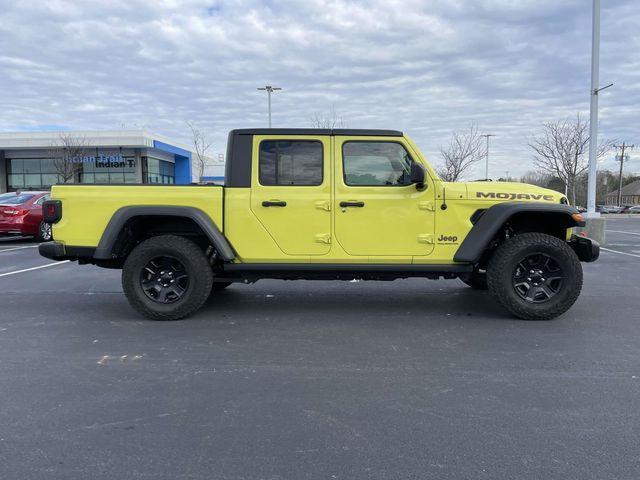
593,114
486,168
269,89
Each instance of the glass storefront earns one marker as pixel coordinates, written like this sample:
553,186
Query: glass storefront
32,174
159,171
42,173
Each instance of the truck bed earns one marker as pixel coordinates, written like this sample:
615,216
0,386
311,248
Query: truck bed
88,208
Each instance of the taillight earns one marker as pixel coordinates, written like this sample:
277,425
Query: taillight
52,211
16,213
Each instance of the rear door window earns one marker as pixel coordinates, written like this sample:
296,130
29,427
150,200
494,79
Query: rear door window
290,162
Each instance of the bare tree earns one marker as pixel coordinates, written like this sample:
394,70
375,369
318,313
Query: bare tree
560,151
464,150
541,179
328,121
67,154
201,145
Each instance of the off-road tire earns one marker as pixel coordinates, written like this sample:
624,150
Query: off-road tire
505,260
196,265
476,280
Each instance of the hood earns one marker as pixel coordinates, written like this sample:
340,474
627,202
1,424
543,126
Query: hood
511,192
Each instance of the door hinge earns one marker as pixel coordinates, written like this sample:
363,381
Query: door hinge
429,206
425,238
323,205
323,238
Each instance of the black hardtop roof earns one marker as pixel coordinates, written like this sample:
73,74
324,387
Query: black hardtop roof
348,132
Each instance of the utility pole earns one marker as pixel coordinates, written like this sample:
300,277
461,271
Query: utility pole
269,89
486,168
622,159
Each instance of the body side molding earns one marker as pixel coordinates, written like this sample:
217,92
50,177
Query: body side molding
122,215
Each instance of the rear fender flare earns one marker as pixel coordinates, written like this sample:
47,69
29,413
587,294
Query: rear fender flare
122,215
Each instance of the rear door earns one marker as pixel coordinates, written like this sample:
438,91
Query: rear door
291,191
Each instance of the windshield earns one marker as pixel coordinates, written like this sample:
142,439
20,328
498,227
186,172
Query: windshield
15,199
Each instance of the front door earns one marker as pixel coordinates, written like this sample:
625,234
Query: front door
378,211
291,191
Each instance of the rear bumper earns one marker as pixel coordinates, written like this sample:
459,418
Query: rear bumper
52,250
58,251
588,250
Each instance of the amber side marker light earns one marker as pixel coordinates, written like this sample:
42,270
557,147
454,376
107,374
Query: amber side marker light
577,217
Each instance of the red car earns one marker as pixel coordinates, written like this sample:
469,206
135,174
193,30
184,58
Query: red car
21,214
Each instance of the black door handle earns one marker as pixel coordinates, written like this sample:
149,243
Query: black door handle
274,203
352,204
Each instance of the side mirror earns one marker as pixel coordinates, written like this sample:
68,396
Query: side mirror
417,174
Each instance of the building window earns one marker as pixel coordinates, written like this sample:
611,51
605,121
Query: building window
31,174
290,163
159,171
122,170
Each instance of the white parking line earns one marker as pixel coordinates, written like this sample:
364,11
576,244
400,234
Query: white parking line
34,268
621,253
17,248
620,231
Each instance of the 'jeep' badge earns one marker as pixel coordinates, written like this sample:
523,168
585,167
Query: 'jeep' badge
448,239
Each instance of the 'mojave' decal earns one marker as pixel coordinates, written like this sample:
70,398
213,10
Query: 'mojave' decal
515,196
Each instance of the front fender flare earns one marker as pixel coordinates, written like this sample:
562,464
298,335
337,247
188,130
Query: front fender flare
496,216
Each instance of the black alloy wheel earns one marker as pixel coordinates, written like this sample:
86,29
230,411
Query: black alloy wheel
538,278
164,279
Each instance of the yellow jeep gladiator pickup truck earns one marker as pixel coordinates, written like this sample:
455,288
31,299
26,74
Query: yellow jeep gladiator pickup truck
323,204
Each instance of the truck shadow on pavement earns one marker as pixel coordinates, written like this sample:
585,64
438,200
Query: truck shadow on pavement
359,302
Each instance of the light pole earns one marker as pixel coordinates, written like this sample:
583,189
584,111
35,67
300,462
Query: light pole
593,113
269,89
486,168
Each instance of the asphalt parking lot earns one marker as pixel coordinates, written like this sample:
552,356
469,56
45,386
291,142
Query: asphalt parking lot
304,380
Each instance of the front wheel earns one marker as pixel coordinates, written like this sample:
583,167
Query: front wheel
167,278
535,276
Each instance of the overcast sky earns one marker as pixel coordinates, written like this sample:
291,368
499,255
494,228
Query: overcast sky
425,67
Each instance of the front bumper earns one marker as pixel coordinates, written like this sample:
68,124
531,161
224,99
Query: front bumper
588,250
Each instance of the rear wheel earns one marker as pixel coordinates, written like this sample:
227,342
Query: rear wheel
44,232
167,278
535,276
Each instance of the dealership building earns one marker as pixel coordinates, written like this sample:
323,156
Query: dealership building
38,160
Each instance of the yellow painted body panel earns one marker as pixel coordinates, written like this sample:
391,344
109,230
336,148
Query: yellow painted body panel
395,220
303,227
87,209
399,224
